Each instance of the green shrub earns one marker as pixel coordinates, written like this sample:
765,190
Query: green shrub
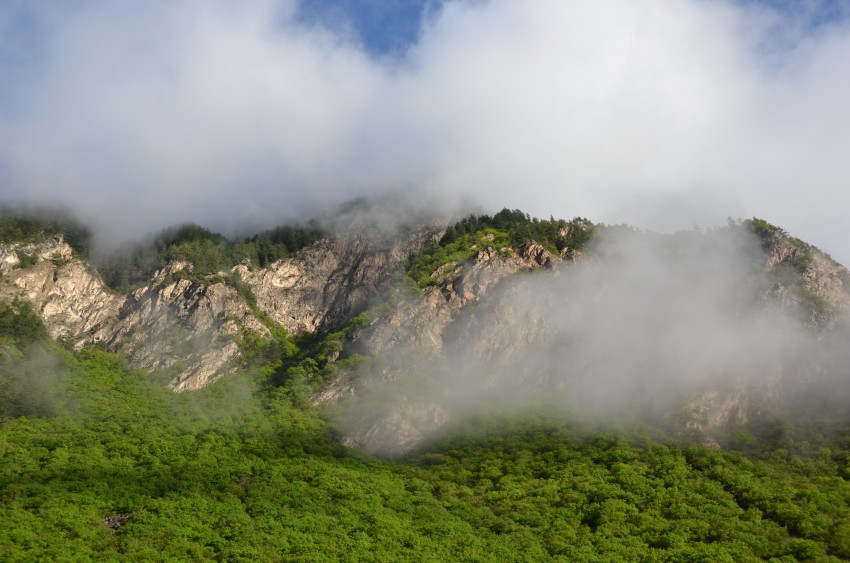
20,324
208,253
506,230
26,260
38,224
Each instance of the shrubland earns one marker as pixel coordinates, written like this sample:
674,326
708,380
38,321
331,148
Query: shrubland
98,461
101,463
207,253
505,231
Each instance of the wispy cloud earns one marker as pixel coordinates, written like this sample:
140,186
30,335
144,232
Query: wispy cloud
658,113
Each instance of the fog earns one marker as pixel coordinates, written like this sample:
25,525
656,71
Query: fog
240,116
662,328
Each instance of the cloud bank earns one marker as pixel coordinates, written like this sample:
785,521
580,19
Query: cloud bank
658,113
681,329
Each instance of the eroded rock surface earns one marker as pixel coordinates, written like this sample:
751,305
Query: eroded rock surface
192,328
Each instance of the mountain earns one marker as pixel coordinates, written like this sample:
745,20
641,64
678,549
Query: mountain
436,321
499,387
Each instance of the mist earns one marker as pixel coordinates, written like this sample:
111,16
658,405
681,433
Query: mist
240,116
663,329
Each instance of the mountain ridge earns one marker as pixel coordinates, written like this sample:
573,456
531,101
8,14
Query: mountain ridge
192,329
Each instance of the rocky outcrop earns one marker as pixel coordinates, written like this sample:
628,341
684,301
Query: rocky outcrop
804,284
185,327
403,427
485,328
417,334
190,328
329,282
421,321
807,280
74,304
492,322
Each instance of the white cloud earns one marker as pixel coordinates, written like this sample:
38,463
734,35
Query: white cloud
660,113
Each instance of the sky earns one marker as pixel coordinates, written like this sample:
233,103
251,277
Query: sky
664,114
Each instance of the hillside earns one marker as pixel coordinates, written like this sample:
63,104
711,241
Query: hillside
548,389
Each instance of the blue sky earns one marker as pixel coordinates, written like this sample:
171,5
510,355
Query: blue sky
384,28
390,27
245,113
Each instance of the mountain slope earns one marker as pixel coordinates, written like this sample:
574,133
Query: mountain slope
707,330
544,393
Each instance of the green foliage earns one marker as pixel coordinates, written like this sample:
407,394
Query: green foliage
580,495
762,228
208,253
123,469
812,302
423,267
99,462
27,380
507,230
36,225
278,243
522,228
26,260
20,324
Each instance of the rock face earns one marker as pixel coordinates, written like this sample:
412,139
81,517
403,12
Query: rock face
805,285
73,302
494,324
182,326
421,322
329,282
490,330
807,279
190,329
413,337
405,426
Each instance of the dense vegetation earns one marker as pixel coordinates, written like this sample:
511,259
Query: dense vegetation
97,461
101,463
36,225
506,231
207,252
132,265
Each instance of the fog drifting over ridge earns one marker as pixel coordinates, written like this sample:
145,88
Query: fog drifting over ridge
661,114
682,328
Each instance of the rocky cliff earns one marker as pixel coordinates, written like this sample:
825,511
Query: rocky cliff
172,324
514,323
614,333
190,329
331,281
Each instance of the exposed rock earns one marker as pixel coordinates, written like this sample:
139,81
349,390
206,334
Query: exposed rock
420,322
478,317
417,331
117,521
193,328
475,314
822,285
331,281
185,324
53,250
74,304
169,324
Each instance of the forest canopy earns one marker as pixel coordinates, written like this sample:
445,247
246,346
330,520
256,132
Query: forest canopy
207,252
